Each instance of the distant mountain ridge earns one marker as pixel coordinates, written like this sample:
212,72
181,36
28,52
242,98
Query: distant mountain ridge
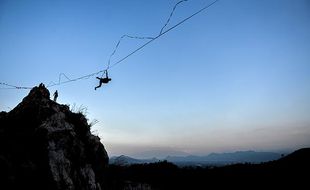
235,157
288,172
126,160
211,159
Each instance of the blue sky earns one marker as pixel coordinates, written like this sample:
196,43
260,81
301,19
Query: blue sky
235,77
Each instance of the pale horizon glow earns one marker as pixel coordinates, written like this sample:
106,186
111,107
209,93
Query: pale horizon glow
235,77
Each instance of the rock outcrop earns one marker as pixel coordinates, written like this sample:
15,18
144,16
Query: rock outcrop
43,145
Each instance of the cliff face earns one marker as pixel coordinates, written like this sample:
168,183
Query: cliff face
43,145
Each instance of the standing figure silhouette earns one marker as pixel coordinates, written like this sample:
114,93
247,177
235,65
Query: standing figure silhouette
103,80
55,95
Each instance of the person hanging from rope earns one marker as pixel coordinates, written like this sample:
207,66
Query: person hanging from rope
55,95
103,80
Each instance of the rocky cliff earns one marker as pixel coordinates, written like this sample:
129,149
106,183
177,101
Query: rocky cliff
43,145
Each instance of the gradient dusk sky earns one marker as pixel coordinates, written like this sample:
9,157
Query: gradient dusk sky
235,77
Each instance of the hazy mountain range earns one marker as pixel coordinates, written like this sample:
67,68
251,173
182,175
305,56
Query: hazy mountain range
288,171
211,159
126,160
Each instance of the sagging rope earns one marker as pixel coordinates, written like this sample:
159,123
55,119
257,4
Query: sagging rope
127,56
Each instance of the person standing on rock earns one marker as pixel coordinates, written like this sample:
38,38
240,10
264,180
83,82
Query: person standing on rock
55,95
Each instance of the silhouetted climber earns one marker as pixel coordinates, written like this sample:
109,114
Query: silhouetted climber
55,95
103,80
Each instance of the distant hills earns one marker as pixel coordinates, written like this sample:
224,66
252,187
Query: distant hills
288,172
126,160
211,159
